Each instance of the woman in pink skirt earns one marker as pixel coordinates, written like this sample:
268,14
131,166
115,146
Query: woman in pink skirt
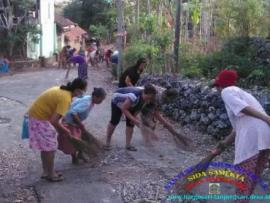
44,123
79,111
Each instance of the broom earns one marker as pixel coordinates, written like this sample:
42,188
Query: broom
148,130
148,123
94,145
202,165
88,144
79,145
148,134
215,152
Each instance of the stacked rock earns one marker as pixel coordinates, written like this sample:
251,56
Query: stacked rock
199,105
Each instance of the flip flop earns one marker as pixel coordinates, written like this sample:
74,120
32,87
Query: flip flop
55,179
131,148
107,147
82,157
57,172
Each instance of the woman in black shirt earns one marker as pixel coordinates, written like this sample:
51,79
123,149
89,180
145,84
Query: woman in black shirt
131,75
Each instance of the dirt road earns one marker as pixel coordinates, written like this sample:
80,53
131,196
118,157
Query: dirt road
120,176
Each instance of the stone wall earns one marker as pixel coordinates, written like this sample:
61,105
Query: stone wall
263,49
199,105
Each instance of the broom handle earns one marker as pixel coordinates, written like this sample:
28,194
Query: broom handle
214,153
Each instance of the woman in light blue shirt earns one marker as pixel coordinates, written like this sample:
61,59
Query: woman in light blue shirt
78,112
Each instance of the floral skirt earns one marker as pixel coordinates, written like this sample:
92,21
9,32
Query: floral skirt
42,135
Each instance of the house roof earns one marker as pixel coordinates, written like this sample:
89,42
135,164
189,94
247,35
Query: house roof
74,33
62,21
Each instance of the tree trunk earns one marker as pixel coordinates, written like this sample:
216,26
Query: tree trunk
120,30
10,48
177,35
137,11
181,25
159,13
211,21
186,26
148,7
201,24
206,21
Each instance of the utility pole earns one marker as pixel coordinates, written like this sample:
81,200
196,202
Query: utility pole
120,34
177,35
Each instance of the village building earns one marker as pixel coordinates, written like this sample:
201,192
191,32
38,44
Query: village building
69,33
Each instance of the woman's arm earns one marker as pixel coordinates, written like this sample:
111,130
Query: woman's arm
55,121
225,143
257,114
78,121
128,81
125,109
236,104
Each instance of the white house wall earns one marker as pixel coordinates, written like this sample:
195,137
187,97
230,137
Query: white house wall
47,28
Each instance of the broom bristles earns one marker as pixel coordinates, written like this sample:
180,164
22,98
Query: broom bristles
148,134
88,144
94,145
78,144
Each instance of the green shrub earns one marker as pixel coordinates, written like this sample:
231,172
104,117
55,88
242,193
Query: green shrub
259,76
99,31
192,72
141,49
162,39
238,54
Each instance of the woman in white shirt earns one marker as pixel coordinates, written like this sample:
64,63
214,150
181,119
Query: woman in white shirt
251,130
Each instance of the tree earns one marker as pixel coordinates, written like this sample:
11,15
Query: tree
100,14
13,24
88,12
177,34
244,18
204,25
120,30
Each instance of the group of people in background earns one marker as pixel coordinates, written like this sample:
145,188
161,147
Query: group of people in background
53,117
93,55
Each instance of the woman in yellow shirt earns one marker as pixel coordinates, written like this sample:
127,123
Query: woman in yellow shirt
45,115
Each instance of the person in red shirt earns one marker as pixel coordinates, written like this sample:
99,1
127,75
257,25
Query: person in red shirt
108,55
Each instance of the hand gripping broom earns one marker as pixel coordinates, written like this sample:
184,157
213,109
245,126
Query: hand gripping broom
88,144
202,165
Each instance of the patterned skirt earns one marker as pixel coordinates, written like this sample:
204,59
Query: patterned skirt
254,165
42,135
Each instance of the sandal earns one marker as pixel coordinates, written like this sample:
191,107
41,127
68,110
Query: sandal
82,157
75,159
131,148
55,178
107,147
57,172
